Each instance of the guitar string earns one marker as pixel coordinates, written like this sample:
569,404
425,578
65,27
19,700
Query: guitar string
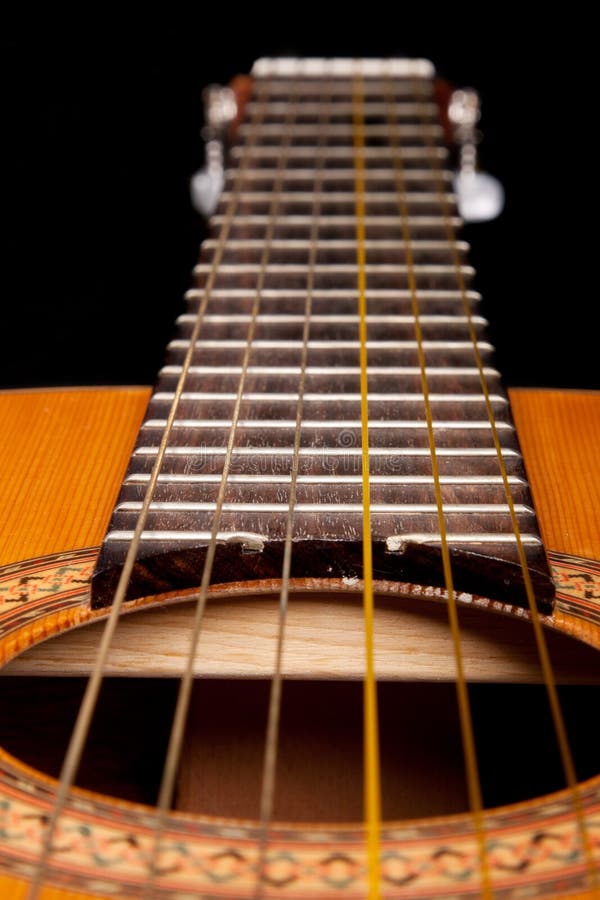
176,737
88,704
157,466
558,721
274,711
464,706
372,775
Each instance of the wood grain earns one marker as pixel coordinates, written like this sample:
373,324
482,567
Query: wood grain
324,639
62,457
559,432
17,889
69,486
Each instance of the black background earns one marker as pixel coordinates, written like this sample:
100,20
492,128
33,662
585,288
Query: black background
102,118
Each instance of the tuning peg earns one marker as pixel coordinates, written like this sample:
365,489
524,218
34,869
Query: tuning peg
480,196
220,110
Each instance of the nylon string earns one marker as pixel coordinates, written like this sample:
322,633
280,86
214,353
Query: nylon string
272,734
464,706
85,714
169,778
560,730
372,776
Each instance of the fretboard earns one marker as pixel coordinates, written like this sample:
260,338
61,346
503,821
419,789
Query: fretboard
333,264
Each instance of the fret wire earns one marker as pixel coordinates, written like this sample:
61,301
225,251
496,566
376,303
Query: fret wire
274,711
337,89
343,293
328,345
325,451
327,108
554,703
372,774
330,424
251,478
465,716
284,396
184,694
339,196
312,152
72,759
341,268
405,508
334,244
334,77
329,370
292,318
337,220
333,174
345,130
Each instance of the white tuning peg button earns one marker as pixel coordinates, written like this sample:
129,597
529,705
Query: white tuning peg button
480,196
220,109
207,183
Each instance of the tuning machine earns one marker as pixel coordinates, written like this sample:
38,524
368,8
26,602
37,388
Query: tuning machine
480,196
220,110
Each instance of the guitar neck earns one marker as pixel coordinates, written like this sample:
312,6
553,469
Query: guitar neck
331,358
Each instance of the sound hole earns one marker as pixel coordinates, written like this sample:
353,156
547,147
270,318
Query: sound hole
320,754
319,773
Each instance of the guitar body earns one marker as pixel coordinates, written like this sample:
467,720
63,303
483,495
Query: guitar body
64,453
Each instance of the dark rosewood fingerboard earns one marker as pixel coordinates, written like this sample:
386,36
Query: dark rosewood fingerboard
285,228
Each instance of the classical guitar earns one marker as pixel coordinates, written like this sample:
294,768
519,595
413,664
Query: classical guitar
315,536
